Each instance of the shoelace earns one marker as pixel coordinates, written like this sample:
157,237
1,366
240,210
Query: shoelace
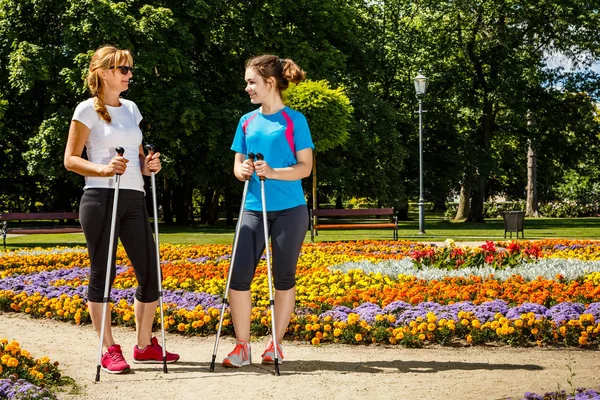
116,356
241,350
271,349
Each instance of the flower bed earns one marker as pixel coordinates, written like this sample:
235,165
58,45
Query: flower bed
22,376
393,292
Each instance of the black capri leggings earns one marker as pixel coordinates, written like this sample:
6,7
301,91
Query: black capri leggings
287,229
134,230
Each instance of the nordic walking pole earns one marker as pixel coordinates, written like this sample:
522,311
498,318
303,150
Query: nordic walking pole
109,262
260,157
152,149
225,299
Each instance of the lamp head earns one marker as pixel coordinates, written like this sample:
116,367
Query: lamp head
420,84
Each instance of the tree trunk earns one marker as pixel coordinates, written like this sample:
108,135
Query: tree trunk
478,192
531,209
464,199
213,209
228,207
181,217
477,200
314,187
166,205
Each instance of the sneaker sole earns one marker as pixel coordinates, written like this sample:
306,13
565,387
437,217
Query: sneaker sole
124,371
153,361
230,365
271,362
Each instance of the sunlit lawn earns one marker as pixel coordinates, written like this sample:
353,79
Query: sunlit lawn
437,229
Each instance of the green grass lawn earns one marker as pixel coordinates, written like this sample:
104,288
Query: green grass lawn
437,230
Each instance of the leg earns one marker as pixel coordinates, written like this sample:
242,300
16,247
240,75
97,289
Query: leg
136,236
250,247
240,305
287,236
284,308
95,310
144,318
95,216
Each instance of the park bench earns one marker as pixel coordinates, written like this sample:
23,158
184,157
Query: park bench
48,216
330,223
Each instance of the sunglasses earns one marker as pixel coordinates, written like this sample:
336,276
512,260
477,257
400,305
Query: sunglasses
123,69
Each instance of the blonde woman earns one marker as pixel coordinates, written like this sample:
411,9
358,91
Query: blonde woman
100,124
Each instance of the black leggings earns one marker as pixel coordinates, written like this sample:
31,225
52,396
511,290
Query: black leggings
287,229
134,230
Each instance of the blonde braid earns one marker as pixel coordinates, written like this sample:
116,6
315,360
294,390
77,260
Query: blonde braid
104,58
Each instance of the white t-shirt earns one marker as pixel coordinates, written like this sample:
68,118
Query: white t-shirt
123,131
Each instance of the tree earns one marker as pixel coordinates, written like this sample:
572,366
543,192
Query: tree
328,112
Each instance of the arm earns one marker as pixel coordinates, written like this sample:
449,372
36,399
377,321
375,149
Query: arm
300,170
149,163
78,135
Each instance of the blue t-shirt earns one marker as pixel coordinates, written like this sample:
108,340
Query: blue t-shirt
277,137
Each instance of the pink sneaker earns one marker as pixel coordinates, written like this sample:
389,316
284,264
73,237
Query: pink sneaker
113,361
152,354
268,357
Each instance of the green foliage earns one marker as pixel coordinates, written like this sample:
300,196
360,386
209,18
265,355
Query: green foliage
485,64
328,111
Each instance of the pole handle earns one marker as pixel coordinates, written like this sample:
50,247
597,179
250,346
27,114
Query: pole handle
260,157
120,151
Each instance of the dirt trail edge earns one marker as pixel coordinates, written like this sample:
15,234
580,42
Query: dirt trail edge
308,372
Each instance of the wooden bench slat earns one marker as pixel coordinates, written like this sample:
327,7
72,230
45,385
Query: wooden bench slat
353,212
12,216
25,231
354,226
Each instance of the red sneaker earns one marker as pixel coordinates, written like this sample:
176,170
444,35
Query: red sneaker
152,354
113,361
268,357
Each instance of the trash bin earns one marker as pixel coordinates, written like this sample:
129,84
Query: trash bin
513,222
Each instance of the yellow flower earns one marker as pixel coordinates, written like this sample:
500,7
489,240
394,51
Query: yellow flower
563,330
358,337
315,341
337,332
181,327
421,337
431,327
469,339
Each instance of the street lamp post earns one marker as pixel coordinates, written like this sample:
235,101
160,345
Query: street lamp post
420,86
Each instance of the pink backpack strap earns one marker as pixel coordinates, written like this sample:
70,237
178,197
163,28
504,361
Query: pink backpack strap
289,131
246,122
